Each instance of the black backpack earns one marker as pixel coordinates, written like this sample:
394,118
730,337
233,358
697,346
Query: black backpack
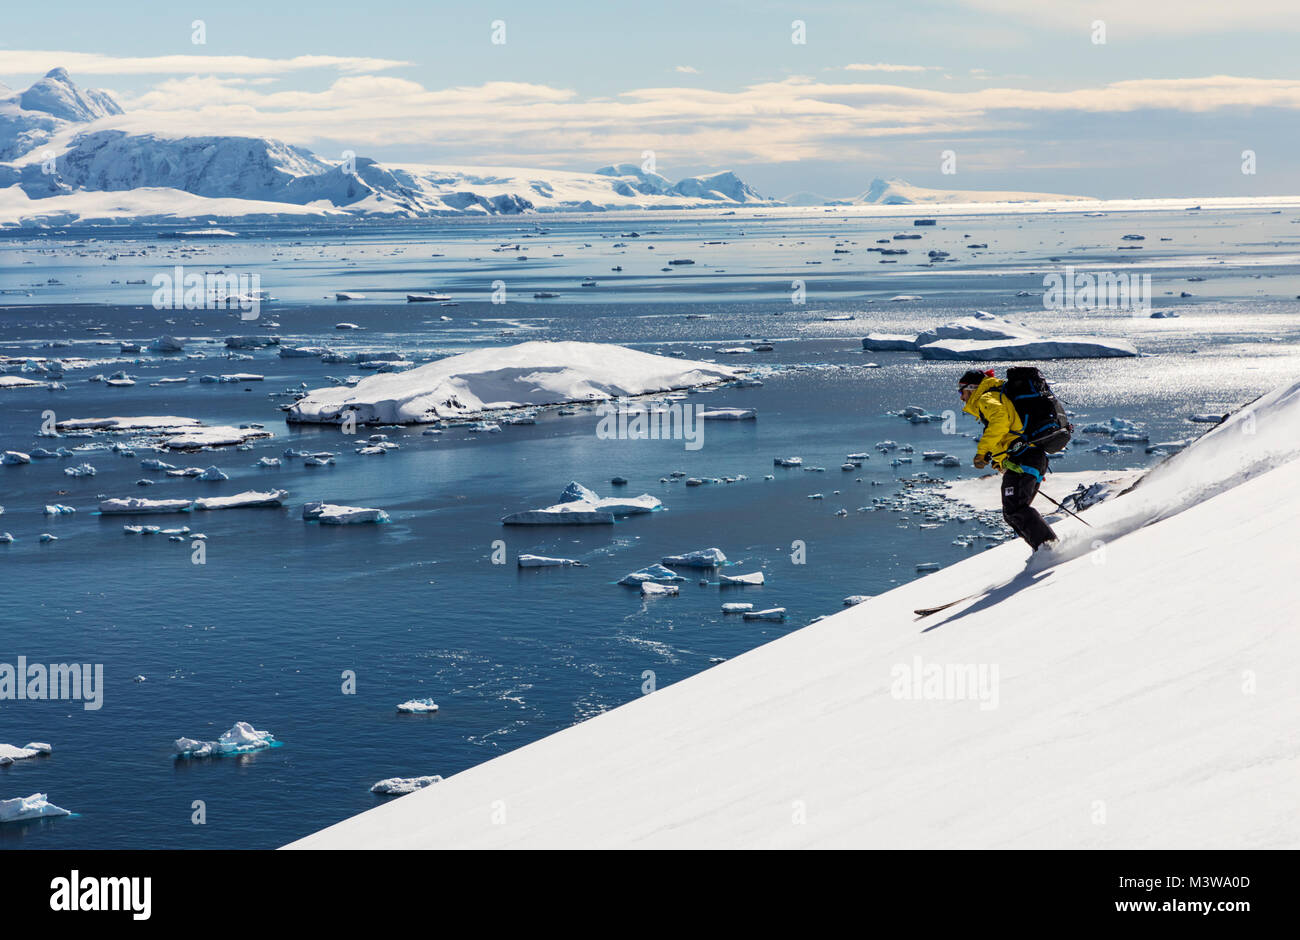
1043,417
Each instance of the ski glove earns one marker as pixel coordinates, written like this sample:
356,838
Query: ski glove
981,461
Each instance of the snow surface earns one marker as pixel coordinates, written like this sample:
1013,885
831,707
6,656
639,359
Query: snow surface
533,373
1144,697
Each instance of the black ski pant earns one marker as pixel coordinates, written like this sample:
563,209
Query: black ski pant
1018,491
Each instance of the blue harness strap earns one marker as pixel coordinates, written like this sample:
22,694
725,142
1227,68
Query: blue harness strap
1031,471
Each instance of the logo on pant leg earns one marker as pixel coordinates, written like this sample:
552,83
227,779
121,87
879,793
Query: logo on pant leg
1009,491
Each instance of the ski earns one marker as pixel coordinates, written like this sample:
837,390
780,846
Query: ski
927,611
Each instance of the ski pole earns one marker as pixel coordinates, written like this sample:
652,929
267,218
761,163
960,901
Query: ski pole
1063,509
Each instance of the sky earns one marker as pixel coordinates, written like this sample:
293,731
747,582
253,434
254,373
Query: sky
1008,94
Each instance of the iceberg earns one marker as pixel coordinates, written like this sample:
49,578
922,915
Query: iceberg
247,500
330,514
542,561
729,414
17,381
700,558
9,753
887,342
138,504
213,474
167,344
755,578
651,573
1063,347
240,739
497,378
13,458
250,499
418,706
649,588
223,436
772,613
398,786
736,608
579,505
29,807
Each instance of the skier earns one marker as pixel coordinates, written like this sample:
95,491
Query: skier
1021,463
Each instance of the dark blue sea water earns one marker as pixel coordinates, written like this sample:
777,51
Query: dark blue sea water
265,630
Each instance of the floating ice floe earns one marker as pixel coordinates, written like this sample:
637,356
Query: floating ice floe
29,807
251,342
399,786
167,344
854,600
649,588
700,558
418,706
543,561
47,537
13,458
772,613
787,461
268,462
580,506
888,342
240,739
728,414
250,499
986,337
499,378
741,579
6,538
736,608
657,573
330,514
58,509
213,474
9,753
17,381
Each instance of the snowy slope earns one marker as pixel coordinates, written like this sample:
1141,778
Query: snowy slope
1146,697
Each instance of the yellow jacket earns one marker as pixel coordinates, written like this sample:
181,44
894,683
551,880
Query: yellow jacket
1001,423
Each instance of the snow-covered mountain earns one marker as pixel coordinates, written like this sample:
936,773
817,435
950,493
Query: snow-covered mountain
29,119
1135,690
896,192
161,175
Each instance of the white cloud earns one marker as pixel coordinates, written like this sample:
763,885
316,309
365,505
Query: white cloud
35,61
886,67
1126,18
687,69
797,118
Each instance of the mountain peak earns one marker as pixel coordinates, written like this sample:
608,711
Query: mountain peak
58,96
